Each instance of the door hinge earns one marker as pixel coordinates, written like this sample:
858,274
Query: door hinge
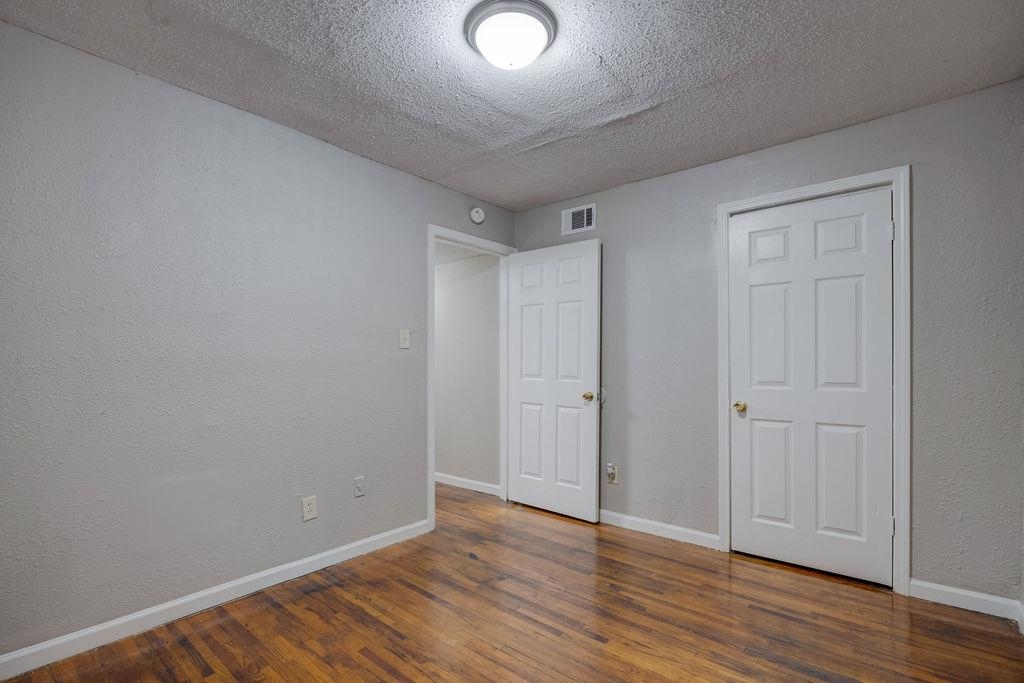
892,527
892,231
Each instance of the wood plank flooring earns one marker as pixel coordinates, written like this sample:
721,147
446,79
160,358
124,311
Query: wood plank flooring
505,592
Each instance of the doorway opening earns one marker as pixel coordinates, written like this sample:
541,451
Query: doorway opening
466,362
514,338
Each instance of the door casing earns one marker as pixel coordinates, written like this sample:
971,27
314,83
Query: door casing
898,179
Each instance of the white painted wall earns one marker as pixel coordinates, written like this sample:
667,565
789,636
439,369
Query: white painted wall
198,313
660,325
466,370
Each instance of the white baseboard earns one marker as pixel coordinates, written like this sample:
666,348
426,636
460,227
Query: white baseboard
648,526
482,487
1007,608
34,656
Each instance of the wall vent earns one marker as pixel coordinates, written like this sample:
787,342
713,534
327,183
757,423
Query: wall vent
579,219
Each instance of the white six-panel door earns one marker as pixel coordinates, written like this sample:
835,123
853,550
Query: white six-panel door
810,315
554,364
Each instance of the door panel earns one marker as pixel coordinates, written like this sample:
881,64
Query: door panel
532,449
770,346
771,461
839,450
839,336
554,338
810,316
569,436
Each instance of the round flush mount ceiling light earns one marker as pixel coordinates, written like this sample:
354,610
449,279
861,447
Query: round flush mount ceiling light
510,34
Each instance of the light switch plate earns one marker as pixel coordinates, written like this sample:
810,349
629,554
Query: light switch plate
404,339
358,487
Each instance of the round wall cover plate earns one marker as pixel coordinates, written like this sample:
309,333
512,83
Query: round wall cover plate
476,214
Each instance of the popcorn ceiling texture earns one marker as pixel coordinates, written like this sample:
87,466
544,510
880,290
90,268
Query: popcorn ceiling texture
629,89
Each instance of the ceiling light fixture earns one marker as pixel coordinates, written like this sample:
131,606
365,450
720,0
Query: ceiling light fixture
510,34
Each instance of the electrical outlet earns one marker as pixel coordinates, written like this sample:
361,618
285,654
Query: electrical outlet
612,473
359,487
308,508
405,339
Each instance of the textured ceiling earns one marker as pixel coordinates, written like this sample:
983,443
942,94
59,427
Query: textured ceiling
630,89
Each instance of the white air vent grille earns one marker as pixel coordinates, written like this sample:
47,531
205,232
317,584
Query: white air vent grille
579,219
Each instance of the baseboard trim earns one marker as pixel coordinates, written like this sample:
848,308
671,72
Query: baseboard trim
41,654
649,526
1007,608
480,486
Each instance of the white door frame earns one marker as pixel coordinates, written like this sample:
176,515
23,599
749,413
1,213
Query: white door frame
435,234
899,180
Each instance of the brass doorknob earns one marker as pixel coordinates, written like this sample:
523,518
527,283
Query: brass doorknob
740,406
588,396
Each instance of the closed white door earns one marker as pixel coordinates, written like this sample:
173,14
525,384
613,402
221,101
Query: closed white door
554,366
810,316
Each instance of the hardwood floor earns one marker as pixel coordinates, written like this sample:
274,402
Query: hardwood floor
505,592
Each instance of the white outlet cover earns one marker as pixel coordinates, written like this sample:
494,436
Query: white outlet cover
308,508
404,339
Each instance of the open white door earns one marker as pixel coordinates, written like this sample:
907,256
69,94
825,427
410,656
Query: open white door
810,316
554,378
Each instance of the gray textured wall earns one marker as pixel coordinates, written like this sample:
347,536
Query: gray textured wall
197,326
660,325
466,368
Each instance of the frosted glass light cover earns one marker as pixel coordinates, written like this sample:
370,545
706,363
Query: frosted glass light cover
511,40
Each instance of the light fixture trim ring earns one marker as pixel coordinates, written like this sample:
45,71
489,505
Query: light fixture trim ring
487,9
